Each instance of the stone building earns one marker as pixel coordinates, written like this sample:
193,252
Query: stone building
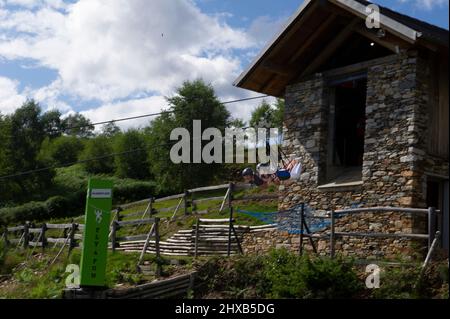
366,115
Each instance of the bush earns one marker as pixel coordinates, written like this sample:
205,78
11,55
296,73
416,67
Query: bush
73,204
281,274
292,276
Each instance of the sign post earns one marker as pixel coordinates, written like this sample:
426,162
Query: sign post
96,231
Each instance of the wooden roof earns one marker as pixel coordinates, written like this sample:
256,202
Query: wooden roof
318,29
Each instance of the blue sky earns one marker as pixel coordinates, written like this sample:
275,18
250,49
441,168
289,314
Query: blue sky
114,58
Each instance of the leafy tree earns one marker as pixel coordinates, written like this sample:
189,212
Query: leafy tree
53,124
22,135
268,116
132,165
195,100
78,125
110,129
237,123
61,150
99,147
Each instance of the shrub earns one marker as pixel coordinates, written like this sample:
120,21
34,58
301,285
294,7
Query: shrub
281,274
306,277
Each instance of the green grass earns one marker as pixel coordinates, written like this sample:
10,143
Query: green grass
32,278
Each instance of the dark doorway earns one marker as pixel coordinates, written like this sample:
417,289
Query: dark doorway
438,197
350,123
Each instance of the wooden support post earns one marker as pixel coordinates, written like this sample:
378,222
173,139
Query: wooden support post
302,215
222,206
185,202
5,236
26,235
72,243
43,238
437,236
431,225
113,235
332,235
150,206
119,217
237,240
230,207
157,249
144,249
197,226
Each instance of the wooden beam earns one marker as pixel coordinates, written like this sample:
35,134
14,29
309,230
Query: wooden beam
399,29
278,41
277,68
330,48
371,36
306,45
357,67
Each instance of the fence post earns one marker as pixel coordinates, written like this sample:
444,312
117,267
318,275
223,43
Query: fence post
43,239
26,235
157,249
431,225
302,214
5,234
113,235
73,229
197,225
119,218
230,207
332,239
185,202
150,208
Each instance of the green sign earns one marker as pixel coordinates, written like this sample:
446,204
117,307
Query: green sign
96,232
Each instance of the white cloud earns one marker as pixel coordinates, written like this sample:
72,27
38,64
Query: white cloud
264,28
10,98
107,51
136,107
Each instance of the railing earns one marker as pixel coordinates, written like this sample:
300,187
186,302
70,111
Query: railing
431,212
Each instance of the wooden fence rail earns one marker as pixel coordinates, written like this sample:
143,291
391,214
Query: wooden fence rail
431,212
178,286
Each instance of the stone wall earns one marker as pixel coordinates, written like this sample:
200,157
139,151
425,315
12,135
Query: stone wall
394,161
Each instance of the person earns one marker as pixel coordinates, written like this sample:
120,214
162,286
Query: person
250,177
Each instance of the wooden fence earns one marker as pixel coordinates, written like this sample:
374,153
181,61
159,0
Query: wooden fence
178,287
334,235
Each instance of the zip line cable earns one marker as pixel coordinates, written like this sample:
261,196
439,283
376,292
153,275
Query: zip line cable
38,170
111,154
144,115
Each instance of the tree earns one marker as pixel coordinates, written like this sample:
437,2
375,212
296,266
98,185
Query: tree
132,165
23,133
78,125
52,123
194,101
99,147
268,116
110,129
61,150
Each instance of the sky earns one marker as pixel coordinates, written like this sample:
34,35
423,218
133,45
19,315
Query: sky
109,59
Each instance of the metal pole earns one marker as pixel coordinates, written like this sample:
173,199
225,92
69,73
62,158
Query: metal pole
302,212
332,235
431,225
197,225
230,206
